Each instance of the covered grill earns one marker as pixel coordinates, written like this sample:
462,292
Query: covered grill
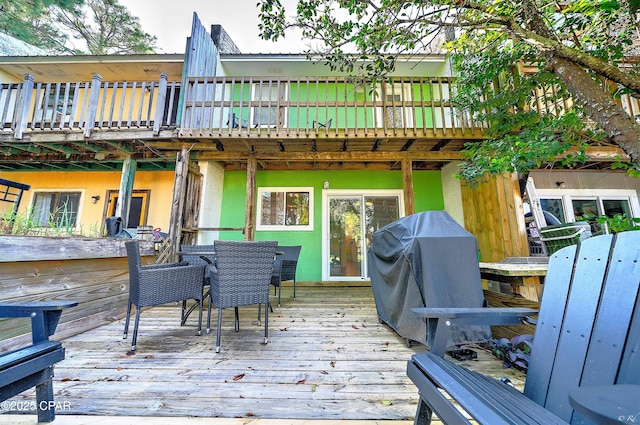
425,260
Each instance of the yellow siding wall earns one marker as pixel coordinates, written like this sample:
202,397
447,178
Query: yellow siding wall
159,183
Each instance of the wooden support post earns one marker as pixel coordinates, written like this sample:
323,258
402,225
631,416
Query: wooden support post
177,204
24,106
161,101
94,95
407,186
126,189
250,207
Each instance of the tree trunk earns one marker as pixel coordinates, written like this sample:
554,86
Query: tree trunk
619,126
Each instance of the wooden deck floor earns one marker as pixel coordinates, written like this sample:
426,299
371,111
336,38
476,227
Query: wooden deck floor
327,358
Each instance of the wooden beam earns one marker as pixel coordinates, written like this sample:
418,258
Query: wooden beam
179,190
330,156
126,189
407,187
250,207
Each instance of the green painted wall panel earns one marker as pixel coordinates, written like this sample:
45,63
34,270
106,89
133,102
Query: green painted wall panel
427,188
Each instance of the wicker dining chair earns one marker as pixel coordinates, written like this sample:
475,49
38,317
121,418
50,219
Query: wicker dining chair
199,258
156,284
285,268
242,277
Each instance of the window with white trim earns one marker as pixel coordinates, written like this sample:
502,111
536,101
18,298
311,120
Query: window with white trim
285,208
570,205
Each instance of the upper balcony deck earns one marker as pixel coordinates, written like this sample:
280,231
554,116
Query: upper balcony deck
232,118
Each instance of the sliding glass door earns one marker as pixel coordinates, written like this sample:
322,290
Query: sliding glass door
350,219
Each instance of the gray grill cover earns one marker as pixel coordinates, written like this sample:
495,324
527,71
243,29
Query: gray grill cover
425,260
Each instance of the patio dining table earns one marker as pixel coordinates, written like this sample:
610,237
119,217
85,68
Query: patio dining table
206,254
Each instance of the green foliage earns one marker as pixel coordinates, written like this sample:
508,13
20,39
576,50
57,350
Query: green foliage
492,40
29,21
98,27
619,223
24,224
20,224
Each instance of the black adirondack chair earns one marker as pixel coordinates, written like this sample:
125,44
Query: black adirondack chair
587,335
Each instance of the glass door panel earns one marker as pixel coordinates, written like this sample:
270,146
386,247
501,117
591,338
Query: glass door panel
379,211
352,220
345,227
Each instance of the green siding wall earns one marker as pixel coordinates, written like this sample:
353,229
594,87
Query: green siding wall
428,196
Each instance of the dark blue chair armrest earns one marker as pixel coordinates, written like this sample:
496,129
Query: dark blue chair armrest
44,315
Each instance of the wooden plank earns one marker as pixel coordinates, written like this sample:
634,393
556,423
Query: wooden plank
618,300
556,293
579,318
177,202
250,203
40,248
407,187
127,178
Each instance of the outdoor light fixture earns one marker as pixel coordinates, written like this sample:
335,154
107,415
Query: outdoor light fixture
560,184
326,184
95,198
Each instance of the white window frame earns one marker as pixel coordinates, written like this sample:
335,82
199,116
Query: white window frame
326,237
284,227
568,195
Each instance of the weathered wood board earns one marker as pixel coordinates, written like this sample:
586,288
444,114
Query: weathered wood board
91,271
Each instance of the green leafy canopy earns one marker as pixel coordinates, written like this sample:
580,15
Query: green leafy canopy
98,27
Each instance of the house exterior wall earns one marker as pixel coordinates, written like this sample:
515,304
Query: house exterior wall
452,192
211,201
427,188
91,216
584,180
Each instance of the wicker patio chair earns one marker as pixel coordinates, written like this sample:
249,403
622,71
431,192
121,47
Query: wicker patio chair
285,268
156,284
242,277
199,258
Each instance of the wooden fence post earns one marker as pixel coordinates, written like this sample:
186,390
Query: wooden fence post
94,94
160,103
23,106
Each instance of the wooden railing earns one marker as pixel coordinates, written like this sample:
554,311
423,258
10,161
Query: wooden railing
218,106
85,106
252,107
